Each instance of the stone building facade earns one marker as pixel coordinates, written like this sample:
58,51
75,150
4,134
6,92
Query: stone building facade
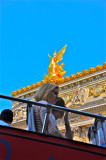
84,91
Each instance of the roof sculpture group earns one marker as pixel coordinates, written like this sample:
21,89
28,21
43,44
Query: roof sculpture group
55,70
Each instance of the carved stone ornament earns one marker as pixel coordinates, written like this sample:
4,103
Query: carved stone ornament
66,99
19,114
80,95
97,90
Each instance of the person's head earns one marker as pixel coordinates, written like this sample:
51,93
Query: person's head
48,92
7,116
58,113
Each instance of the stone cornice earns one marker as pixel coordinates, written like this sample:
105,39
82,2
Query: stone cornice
65,90
87,80
83,123
103,71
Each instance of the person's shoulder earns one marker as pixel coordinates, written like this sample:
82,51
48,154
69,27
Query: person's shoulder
44,102
37,107
4,123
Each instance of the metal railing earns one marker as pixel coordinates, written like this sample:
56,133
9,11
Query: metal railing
49,106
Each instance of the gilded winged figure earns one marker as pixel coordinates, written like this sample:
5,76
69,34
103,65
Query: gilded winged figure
55,70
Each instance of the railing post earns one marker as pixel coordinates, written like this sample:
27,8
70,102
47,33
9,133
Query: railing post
44,127
31,122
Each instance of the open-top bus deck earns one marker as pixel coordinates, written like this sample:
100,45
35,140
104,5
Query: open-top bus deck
18,144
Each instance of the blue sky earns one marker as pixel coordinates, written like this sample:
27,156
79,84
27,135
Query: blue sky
29,30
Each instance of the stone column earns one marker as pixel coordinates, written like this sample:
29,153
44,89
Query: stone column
84,137
76,133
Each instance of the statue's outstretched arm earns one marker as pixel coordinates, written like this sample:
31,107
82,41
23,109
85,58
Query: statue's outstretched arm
49,56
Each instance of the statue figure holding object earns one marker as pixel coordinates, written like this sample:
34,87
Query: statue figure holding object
55,70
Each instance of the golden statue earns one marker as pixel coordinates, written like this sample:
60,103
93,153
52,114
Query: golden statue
55,70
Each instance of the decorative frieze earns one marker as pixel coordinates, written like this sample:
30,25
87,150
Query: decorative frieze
19,114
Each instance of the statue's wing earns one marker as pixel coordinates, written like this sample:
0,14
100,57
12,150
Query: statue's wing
60,54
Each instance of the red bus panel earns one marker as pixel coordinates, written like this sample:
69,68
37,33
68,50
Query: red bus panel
17,144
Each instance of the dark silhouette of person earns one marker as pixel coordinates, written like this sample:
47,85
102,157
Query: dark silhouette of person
6,117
